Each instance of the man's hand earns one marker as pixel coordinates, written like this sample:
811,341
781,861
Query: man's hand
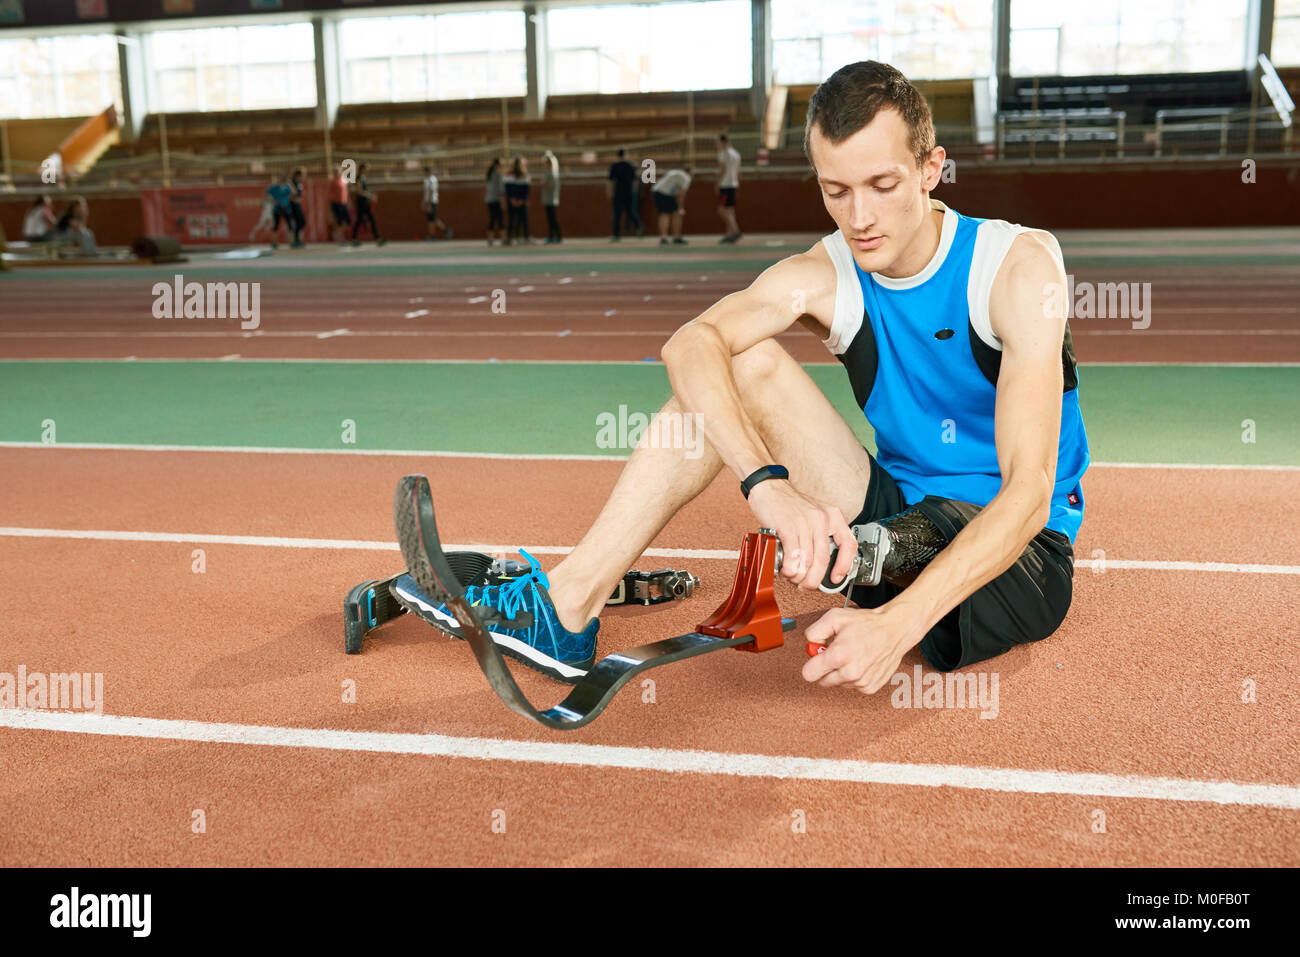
868,645
805,528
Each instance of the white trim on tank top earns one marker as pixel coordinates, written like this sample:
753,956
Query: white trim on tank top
849,305
993,239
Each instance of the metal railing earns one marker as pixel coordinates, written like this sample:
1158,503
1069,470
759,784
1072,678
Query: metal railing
1031,136
1062,127
1219,123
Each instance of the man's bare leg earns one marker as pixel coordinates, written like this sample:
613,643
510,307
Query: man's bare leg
728,215
799,426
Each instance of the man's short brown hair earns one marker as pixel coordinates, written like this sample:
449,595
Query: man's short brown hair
851,97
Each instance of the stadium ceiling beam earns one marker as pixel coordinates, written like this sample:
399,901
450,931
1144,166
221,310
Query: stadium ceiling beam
133,74
536,57
761,43
325,33
1259,31
1001,46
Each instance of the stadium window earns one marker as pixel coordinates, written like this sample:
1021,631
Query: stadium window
924,40
1286,33
67,75
449,56
650,48
231,68
1076,38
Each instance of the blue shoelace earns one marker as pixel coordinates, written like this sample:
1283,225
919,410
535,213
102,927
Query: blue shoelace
513,594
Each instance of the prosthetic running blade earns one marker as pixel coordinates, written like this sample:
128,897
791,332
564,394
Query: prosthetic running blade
749,619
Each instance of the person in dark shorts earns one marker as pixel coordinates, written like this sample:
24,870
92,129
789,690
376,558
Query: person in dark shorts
728,182
295,207
953,333
365,201
670,203
620,187
1027,602
493,194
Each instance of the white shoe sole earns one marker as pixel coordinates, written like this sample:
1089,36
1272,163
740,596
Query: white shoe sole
513,644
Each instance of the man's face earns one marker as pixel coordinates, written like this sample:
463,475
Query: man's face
873,189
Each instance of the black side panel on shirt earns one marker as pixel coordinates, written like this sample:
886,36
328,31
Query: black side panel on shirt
861,361
989,359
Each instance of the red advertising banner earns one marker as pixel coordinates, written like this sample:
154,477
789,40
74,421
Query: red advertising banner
225,215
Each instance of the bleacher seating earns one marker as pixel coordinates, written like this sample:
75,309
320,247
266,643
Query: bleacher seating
1138,96
385,134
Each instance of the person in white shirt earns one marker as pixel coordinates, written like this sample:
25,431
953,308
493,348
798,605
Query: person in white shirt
728,181
551,197
39,223
669,197
429,204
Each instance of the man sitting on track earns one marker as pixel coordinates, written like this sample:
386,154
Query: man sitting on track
953,333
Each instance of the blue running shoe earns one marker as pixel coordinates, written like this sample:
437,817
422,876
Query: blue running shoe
521,621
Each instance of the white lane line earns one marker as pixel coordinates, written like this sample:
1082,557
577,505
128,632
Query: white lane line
351,333
666,760
284,450
511,456
345,544
1194,465
270,541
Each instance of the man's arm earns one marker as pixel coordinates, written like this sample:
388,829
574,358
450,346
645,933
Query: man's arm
698,358
1027,311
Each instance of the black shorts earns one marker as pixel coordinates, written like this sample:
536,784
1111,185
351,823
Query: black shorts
341,214
1025,603
665,203
727,196
282,215
432,213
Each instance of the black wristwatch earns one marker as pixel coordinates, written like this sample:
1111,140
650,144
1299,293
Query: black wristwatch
762,475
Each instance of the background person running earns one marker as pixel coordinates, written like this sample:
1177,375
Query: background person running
517,190
620,187
492,195
728,181
365,202
295,207
670,202
338,193
551,197
281,210
429,204
40,222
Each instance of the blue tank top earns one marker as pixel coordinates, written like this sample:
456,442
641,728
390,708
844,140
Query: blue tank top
923,363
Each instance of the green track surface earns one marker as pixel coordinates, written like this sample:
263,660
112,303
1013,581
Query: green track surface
1133,413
